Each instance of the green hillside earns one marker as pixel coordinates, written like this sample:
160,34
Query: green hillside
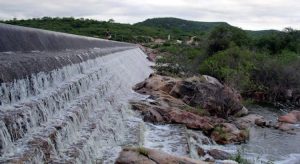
180,24
93,28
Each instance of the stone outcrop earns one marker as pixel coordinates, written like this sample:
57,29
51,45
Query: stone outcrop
204,92
201,103
161,114
150,156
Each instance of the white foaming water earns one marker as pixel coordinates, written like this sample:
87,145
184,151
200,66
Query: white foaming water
168,138
76,114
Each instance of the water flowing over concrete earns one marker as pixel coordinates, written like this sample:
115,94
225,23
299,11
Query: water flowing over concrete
24,51
64,98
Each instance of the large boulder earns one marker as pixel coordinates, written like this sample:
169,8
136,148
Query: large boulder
150,156
246,122
156,83
201,92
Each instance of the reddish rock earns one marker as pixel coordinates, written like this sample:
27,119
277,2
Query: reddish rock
159,114
292,117
151,156
204,91
285,126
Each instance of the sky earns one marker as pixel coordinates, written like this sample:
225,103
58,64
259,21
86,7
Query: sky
247,14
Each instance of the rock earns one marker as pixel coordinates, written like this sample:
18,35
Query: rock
219,154
150,115
204,91
285,126
155,83
249,120
200,151
219,101
260,122
187,102
160,114
212,80
242,112
227,133
151,156
292,117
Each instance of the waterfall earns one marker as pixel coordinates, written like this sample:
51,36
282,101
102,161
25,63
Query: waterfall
64,98
76,113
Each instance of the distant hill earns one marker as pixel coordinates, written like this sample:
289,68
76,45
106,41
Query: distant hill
137,33
180,24
193,26
261,33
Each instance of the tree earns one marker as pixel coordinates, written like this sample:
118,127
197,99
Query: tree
222,36
111,20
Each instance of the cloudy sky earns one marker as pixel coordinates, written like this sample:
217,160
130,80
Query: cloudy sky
248,14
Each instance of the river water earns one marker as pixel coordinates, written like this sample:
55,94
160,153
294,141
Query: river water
265,146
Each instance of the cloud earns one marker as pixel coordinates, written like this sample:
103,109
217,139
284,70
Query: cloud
248,14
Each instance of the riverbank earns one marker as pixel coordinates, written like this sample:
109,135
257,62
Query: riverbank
207,121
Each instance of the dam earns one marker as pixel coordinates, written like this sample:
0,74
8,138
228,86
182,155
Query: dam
64,98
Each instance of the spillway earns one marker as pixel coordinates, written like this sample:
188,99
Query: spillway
64,98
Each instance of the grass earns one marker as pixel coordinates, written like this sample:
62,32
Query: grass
239,158
219,130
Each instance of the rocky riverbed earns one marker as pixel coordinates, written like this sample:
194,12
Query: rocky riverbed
208,114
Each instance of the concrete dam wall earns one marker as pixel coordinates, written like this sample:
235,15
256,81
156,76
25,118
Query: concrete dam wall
24,51
64,98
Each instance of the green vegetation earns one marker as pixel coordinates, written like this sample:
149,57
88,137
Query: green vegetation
94,28
261,65
239,158
221,133
180,25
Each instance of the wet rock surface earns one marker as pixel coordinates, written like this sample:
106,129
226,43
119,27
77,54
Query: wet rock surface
250,120
159,114
219,154
292,117
150,156
200,103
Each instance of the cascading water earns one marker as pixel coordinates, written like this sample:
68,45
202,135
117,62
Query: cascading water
75,117
66,105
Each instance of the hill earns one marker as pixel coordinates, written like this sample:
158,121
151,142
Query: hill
93,28
140,32
180,24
